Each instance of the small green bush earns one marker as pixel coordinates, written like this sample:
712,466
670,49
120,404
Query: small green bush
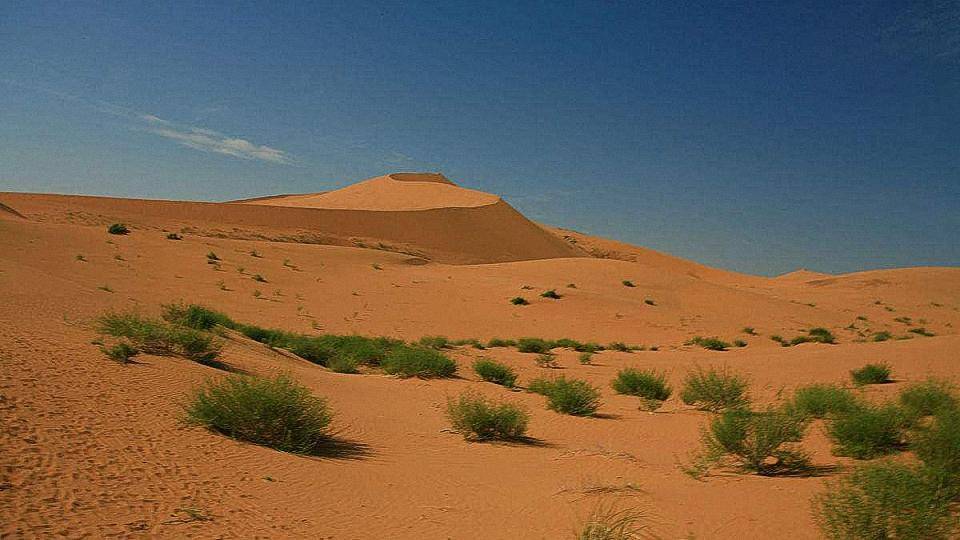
277,413
418,362
938,447
258,278
715,390
649,302
546,360
435,342
921,331
927,398
645,384
883,500
174,236
590,347
619,346
121,352
882,336
739,343
871,374
627,283
343,364
519,301
608,523
749,330
565,343
212,257
118,228
473,342
568,396
758,442
552,293
495,372
196,316
482,419
155,337
534,345
822,400
867,431
710,343
586,358
497,342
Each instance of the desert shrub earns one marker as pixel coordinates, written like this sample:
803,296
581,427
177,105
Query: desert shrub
586,358
196,316
174,236
926,398
739,343
619,346
590,347
519,301
121,352
758,442
649,302
418,362
921,331
821,400
710,343
343,364
156,337
278,412
258,278
533,345
497,342
435,342
645,384
867,431
871,374
212,257
938,447
882,336
565,343
473,342
568,396
821,335
546,360
552,293
749,330
366,350
495,372
343,349
715,390
118,228
608,523
479,418
627,283
883,500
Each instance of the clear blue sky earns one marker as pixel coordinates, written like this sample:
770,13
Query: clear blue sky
755,136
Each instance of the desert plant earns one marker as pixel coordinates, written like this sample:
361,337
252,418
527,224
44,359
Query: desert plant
821,400
343,364
552,293
155,337
495,372
921,331
710,343
627,283
882,336
927,398
619,346
739,343
586,358
871,374
435,342
589,347
212,257
533,345
121,352
258,278
568,396
473,342
196,316
256,254
418,362
118,228
883,500
758,442
608,523
81,258
546,360
715,390
938,447
174,236
867,431
749,330
565,343
482,419
519,301
649,302
277,412
645,384
497,342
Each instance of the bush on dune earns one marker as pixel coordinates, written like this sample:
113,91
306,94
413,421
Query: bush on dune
759,442
871,374
196,316
156,337
495,372
938,447
715,390
927,398
409,361
645,384
482,419
821,400
868,431
568,396
533,345
709,343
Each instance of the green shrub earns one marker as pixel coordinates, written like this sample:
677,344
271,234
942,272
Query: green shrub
627,283
749,330
565,343
821,400
435,342
258,278
883,500
482,419
155,337
926,398
867,431
546,360
821,335
418,362
118,228
343,364
196,316
715,390
871,374
519,301
590,347
739,343
882,336
497,342
645,384
568,396
473,342
277,413
121,352
921,331
608,523
619,346
495,372
174,236
938,447
758,442
533,345
649,302
586,358
551,294
710,343
212,257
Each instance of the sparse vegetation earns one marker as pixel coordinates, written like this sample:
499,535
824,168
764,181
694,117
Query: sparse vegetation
759,442
813,335
196,316
435,342
105,288
619,346
586,358
118,228
212,257
938,446
710,343
739,343
519,301
867,431
649,302
482,419
822,400
749,330
552,293
534,345
546,360
277,412
568,396
927,398
627,283
497,342
495,372
715,390
121,352
418,362
256,254
607,523
649,385
258,278
871,374
174,236
156,337
81,258
343,364
921,331
882,336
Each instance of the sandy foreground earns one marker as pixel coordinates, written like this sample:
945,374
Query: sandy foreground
90,448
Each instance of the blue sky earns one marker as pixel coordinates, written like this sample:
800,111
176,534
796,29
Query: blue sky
754,136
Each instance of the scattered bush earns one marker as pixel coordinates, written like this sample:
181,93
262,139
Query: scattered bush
871,374
627,283
495,372
418,362
619,346
588,347
212,257
118,228
519,301
607,523
277,413
497,342
343,364
473,342
649,385
867,431
482,419
927,398
882,336
821,400
757,441
749,330
546,360
196,316
551,294
155,337
883,500
568,396
710,343
739,343
921,331
258,278
649,302
715,390
435,342
586,358
534,345
939,449
121,352
174,236
565,343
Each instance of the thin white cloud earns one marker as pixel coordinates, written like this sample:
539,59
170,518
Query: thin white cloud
208,140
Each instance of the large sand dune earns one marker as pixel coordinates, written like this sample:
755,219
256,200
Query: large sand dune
93,448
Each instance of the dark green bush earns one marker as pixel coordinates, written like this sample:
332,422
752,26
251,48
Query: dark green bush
871,374
118,228
482,419
519,301
627,283
495,372
343,364
418,362
473,342
534,345
277,413
619,346
821,400
497,342
568,396
645,384
546,360
921,331
551,294
938,447
174,236
715,390
121,352
926,398
710,343
156,337
435,342
760,442
586,358
884,500
739,343
590,347
565,343
212,257
868,431
882,336
196,316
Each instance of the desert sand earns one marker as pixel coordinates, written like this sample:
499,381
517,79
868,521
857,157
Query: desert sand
91,448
